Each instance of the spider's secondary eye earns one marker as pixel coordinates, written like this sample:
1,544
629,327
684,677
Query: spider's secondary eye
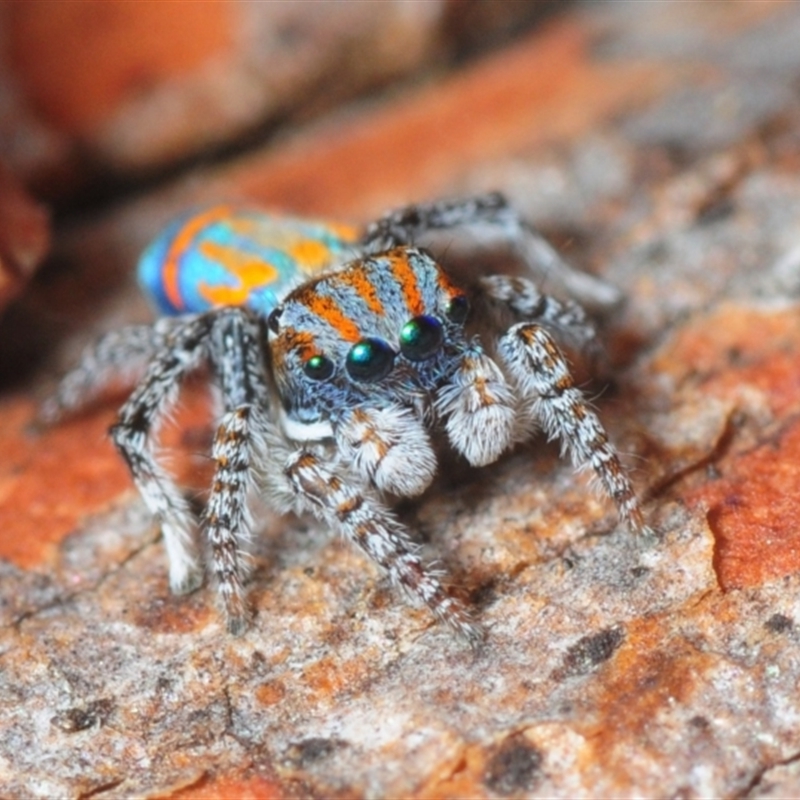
457,308
369,360
318,368
421,337
272,320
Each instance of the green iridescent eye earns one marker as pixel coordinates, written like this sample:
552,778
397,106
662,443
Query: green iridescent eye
369,360
421,338
318,368
457,308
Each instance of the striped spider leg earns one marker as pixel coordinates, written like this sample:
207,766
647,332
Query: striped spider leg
487,222
541,374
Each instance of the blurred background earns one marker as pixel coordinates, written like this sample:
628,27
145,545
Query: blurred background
100,98
103,104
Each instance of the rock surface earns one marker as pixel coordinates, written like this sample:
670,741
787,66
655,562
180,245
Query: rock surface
657,145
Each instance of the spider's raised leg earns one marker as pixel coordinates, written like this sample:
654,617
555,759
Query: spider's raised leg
120,356
489,221
236,354
182,351
542,375
526,302
364,521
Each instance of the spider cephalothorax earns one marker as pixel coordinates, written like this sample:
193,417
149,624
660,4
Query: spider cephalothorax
381,330
337,356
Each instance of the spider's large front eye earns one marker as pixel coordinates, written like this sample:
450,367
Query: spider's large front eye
318,368
369,360
457,308
421,337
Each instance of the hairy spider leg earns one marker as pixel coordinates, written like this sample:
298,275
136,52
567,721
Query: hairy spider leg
236,355
490,221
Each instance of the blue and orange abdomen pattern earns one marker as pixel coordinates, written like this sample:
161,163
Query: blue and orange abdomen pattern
227,255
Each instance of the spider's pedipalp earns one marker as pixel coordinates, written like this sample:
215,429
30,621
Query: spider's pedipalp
480,408
235,353
388,446
366,523
542,375
183,350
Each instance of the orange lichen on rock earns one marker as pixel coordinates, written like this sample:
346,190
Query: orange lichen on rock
748,356
52,478
735,346
754,511
647,669
254,787
44,490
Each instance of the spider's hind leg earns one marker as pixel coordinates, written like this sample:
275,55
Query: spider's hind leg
525,302
180,352
120,356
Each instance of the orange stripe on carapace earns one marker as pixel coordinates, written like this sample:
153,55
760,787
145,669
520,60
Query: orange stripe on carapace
181,243
251,271
445,284
404,273
326,308
357,276
290,340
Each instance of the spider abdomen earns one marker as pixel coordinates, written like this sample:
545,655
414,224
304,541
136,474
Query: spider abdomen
228,256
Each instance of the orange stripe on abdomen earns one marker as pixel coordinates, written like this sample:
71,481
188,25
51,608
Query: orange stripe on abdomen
251,271
183,240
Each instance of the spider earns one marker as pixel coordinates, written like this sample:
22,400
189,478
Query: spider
338,355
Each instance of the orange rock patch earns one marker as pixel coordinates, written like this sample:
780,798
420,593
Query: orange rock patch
749,356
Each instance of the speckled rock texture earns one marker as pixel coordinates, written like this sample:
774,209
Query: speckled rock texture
656,144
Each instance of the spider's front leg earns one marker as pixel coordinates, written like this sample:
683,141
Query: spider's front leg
489,221
317,485
236,355
541,372
181,351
